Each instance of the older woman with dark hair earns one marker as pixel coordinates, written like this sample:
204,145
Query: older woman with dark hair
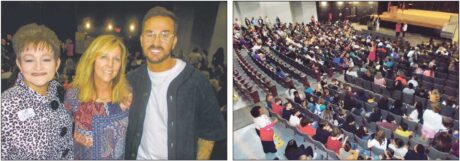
264,128
35,125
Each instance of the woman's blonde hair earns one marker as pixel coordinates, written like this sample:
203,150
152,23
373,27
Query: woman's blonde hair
84,78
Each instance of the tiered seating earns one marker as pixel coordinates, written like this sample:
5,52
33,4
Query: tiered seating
257,77
407,99
245,88
297,74
285,82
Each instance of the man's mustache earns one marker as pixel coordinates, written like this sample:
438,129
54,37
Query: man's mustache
156,48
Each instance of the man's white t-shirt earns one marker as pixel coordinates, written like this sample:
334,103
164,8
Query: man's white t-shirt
154,142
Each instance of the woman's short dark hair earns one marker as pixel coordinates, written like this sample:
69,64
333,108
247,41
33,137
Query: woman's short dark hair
255,111
305,121
399,142
38,37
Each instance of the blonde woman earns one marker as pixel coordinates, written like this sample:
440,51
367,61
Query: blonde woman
98,98
35,125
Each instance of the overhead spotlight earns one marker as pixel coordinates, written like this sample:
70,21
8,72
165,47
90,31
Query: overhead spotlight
357,2
323,4
88,25
110,27
339,3
370,2
131,27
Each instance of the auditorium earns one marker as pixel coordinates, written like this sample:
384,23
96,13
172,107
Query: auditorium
342,80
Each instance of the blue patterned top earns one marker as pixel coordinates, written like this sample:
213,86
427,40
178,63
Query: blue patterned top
100,128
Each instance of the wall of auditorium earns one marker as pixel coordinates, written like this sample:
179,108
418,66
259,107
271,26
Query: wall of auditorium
287,11
220,33
354,11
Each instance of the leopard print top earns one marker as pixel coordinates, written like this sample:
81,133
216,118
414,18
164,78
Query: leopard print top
34,126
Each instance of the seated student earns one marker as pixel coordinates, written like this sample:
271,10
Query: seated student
322,132
349,125
379,141
294,120
320,106
442,142
334,84
280,73
333,141
308,89
379,80
306,127
292,151
290,92
409,89
287,110
403,131
397,107
311,104
399,148
389,155
298,98
362,133
413,81
346,153
276,106
269,100
383,103
341,117
418,153
417,114
375,115
388,123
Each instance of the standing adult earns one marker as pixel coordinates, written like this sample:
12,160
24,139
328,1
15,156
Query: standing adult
398,29
174,114
35,125
264,128
404,29
98,98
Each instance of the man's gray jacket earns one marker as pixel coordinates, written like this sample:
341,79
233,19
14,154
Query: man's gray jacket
193,112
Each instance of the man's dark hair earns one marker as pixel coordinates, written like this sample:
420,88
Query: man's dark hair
305,121
420,149
160,11
390,118
403,126
255,111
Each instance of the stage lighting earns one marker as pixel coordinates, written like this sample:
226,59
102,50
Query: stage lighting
371,2
110,27
88,25
131,27
339,3
323,4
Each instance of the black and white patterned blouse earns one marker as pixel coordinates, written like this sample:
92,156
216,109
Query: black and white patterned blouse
35,126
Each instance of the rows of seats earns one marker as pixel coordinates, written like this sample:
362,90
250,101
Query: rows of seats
285,82
298,66
287,67
396,94
256,76
245,88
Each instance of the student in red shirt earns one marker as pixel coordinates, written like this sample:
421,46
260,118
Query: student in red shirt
276,106
398,29
305,127
333,142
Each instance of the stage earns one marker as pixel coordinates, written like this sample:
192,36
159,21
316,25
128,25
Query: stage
423,18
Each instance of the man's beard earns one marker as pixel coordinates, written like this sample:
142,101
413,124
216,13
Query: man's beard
163,58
